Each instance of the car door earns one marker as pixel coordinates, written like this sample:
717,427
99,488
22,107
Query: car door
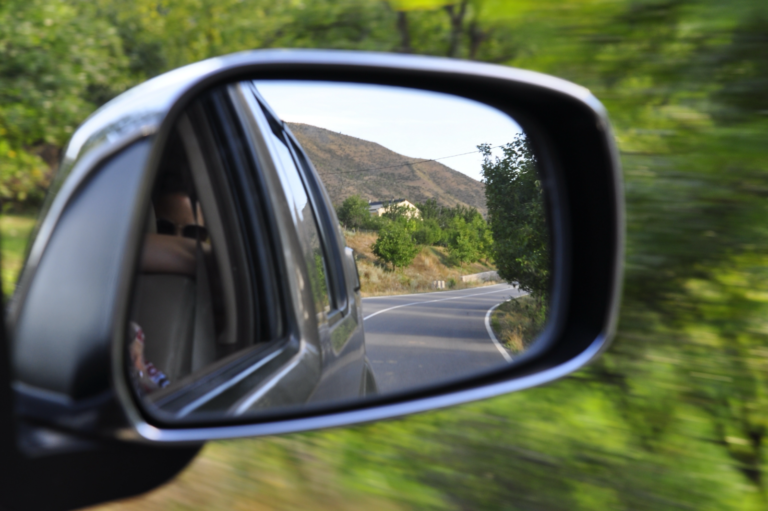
338,312
267,356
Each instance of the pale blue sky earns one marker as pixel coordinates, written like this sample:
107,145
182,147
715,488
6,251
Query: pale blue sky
411,122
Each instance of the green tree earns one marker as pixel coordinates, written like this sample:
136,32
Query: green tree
429,209
395,245
58,62
428,232
462,241
516,216
484,237
400,213
353,213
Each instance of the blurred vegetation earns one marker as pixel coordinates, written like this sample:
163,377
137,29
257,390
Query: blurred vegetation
14,236
673,416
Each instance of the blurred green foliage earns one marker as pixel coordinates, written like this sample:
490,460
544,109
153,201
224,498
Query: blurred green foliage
673,416
15,232
58,61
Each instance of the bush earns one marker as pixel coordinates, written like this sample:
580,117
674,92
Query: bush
463,242
428,232
58,62
395,245
24,177
353,212
518,322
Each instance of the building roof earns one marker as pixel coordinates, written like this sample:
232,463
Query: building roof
377,204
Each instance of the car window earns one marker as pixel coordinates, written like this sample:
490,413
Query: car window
327,227
304,216
201,305
180,321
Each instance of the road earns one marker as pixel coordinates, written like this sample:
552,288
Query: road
414,340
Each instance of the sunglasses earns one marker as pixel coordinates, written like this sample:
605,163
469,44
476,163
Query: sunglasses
187,231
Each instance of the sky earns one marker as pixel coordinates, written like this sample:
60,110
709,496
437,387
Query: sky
414,123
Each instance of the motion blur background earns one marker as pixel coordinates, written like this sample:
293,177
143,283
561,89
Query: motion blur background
673,416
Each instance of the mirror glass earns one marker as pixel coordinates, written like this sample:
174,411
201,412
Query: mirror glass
315,242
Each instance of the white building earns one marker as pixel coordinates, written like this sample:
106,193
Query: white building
380,207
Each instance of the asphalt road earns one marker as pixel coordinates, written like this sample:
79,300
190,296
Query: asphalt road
414,340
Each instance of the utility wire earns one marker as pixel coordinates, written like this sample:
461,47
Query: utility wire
408,164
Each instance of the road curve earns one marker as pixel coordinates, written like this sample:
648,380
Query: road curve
415,340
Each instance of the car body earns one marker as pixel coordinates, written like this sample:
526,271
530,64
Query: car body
313,331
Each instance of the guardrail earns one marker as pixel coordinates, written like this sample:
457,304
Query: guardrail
481,277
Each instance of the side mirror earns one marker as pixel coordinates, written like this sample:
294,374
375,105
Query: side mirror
193,276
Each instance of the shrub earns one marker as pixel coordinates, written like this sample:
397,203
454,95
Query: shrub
395,245
353,212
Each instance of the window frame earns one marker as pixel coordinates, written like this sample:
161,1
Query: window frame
220,135
324,218
256,216
329,243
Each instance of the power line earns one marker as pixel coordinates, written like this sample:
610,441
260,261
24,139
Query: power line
408,164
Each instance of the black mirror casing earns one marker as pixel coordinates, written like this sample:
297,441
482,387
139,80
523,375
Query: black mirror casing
47,468
72,404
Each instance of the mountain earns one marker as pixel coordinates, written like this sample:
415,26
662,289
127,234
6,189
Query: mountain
349,166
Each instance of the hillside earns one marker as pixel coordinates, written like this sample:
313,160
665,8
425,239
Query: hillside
429,265
343,163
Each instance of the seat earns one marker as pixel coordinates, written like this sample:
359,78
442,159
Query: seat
164,306
176,316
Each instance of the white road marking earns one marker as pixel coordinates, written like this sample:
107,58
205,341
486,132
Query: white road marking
433,301
496,342
431,292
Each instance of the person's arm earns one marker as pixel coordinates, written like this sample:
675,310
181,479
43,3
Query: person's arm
168,254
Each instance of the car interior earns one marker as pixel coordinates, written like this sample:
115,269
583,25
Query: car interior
178,311
184,317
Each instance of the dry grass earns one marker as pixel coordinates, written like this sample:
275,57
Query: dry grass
517,323
431,264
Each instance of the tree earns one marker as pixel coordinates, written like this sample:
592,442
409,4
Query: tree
428,232
353,212
398,213
484,237
516,216
58,62
395,245
429,209
462,241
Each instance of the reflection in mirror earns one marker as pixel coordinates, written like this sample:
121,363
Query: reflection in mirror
438,196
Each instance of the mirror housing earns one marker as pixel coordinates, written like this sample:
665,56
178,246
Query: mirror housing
68,317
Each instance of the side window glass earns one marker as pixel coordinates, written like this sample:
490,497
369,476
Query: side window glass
337,291
304,216
179,320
